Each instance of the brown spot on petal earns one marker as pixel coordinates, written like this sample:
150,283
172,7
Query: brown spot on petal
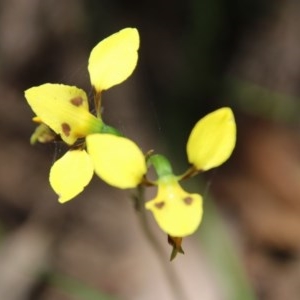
66,128
77,101
160,205
188,200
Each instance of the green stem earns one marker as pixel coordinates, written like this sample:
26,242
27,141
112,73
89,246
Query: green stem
161,165
111,130
174,282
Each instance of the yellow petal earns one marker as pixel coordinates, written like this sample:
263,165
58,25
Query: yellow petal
212,140
64,109
177,212
114,59
117,160
70,174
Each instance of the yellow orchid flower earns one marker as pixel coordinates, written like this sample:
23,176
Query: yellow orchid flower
65,110
212,140
210,144
177,212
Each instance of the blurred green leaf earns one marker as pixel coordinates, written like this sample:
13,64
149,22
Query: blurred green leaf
223,256
76,288
261,101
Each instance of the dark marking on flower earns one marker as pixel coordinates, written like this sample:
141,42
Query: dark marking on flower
77,101
66,128
188,200
160,205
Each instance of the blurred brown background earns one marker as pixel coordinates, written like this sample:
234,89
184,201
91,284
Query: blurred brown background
195,56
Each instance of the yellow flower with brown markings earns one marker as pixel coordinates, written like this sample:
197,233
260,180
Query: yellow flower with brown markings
210,144
65,110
